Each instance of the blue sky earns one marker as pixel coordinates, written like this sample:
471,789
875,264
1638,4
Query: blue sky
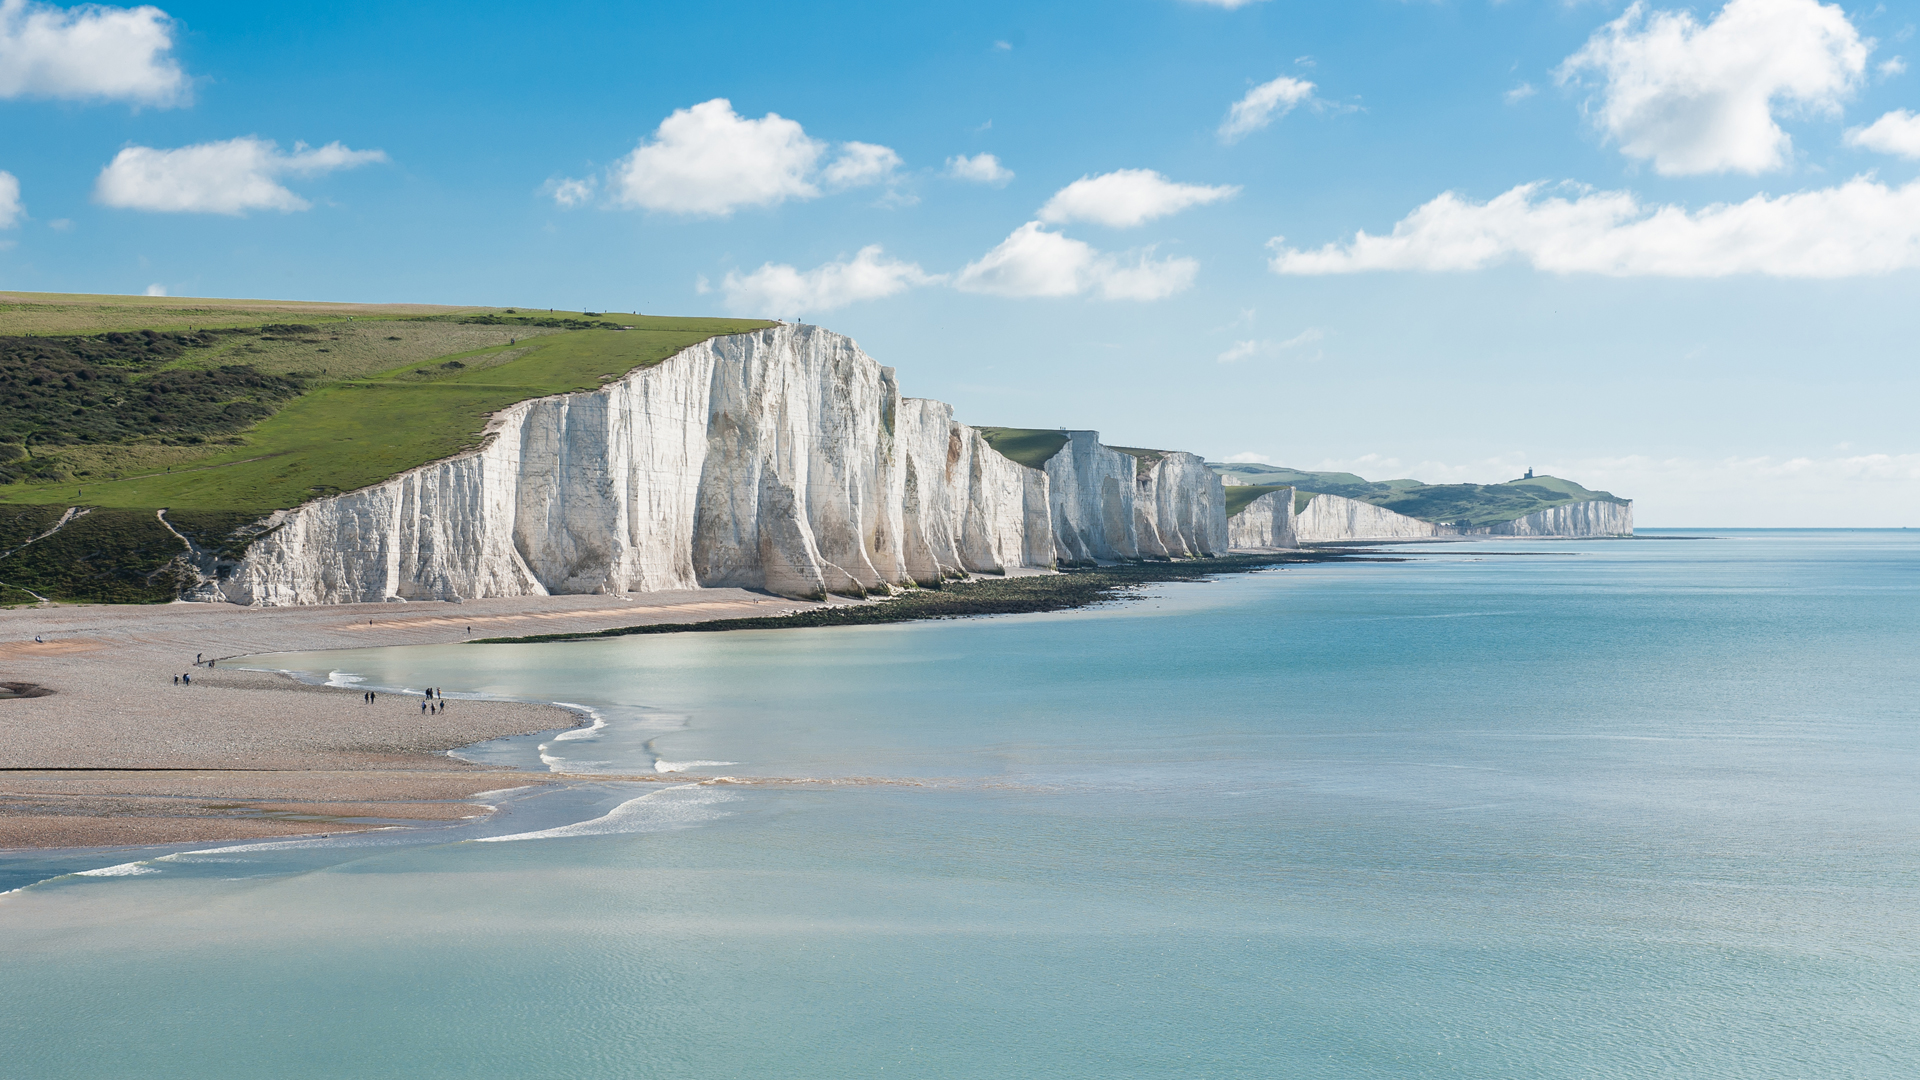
1705,301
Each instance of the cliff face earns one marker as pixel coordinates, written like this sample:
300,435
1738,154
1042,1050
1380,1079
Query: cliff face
1179,508
1266,522
785,459
1113,505
1579,519
1091,490
1328,518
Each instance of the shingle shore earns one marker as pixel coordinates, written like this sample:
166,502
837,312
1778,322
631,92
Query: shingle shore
118,754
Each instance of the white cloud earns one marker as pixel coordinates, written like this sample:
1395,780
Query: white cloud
10,208
1892,66
569,193
1898,132
229,177
1228,4
1247,350
1127,197
1700,99
1247,457
861,163
1262,105
1859,227
1520,93
89,52
1033,262
780,290
980,168
708,160
156,289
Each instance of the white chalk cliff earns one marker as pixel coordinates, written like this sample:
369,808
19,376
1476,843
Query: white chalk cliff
1108,504
1266,522
1596,518
783,459
1331,519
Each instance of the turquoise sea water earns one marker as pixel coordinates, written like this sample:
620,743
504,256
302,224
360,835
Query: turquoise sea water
1623,809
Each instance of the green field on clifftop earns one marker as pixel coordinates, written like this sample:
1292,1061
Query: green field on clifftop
223,411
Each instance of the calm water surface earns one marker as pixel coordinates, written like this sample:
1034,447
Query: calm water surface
1622,809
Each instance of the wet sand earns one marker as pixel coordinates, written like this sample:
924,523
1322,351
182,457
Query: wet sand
117,754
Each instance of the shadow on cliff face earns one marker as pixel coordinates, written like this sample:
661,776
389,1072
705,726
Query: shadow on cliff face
1071,588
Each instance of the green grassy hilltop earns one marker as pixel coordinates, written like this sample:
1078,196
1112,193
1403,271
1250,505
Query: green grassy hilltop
222,411
1465,505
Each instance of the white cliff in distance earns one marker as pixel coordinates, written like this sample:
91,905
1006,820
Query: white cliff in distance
1264,523
1269,522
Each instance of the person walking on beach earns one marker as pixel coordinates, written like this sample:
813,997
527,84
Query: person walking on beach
186,680
176,680
423,706
197,656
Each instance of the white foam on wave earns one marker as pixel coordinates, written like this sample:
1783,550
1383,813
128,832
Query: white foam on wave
358,838
591,732
125,869
344,679
569,765
683,766
677,807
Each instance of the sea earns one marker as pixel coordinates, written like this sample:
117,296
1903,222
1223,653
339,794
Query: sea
1515,808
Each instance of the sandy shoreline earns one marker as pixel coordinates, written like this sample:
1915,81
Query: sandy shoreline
117,755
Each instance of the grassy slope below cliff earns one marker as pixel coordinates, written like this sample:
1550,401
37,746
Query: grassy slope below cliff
227,411
1465,505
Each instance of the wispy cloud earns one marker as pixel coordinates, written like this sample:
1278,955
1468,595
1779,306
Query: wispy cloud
979,169
1262,105
1127,197
230,177
1252,348
1033,262
781,290
1859,227
11,208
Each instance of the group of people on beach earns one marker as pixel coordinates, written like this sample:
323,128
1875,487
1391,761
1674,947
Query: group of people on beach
187,680
432,701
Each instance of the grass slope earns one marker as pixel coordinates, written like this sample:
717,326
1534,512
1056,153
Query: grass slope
222,411
1240,496
1466,505
1028,446
355,432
